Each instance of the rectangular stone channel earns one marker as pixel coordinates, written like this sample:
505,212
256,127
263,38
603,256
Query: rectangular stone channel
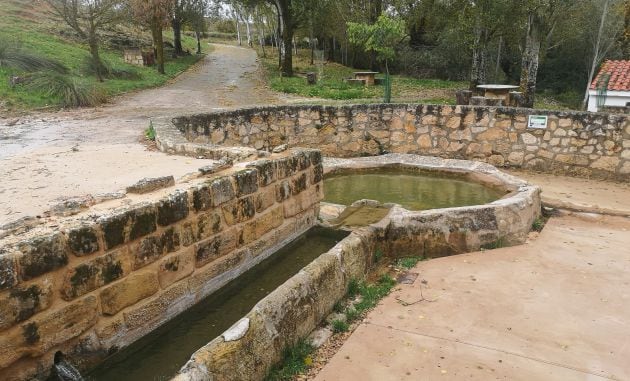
159,355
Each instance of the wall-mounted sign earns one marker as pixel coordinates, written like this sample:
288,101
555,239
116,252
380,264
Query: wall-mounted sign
537,122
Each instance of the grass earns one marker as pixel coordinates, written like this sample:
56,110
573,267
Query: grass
32,29
340,326
539,223
331,84
369,295
295,360
499,243
149,133
408,262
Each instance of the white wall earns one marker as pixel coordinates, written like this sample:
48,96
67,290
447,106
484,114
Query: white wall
613,99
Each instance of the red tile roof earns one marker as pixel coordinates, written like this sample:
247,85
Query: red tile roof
619,72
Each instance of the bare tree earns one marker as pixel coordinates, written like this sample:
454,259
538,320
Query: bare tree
154,14
603,42
87,18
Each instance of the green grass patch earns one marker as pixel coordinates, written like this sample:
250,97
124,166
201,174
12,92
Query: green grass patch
296,359
34,30
370,294
499,243
408,262
149,133
340,326
331,83
539,223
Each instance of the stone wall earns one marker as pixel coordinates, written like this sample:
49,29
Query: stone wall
249,349
253,345
90,284
575,143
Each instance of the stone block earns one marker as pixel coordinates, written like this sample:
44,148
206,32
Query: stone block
606,163
127,225
172,208
8,269
264,199
256,228
147,185
516,158
318,174
222,190
176,267
215,247
239,211
207,225
202,197
492,134
127,292
200,283
283,191
266,171
50,329
95,273
424,141
286,166
23,302
164,305
83,240
529,139
41,255
496,160
299,203
246,181
454,122
151,248
298,184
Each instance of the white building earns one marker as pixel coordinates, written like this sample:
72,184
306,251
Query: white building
614,77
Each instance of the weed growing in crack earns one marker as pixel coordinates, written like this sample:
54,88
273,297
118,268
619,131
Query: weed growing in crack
295,360
340,326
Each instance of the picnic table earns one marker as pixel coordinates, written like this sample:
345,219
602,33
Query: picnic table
366,76
497,91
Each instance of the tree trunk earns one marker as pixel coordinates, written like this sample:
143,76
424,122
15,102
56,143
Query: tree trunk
286,29
287,59
249,32
177,36
529,62
596,54
478,69
158,42
238,29
96,58
198,35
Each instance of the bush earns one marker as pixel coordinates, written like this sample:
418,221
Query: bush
340,326
70,91
12,56
107,71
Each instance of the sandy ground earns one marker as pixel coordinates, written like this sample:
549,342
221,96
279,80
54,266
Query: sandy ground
557,308
91,151
584,195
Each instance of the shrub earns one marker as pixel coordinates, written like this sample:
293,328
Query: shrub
70,91
12,56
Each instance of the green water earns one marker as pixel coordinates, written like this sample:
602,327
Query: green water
412,191
161,354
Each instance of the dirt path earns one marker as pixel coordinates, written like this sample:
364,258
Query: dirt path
100,150
554,309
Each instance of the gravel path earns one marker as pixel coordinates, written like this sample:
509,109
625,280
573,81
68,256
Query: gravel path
99,150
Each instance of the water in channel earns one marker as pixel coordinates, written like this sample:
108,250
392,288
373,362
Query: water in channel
159,355
412,191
